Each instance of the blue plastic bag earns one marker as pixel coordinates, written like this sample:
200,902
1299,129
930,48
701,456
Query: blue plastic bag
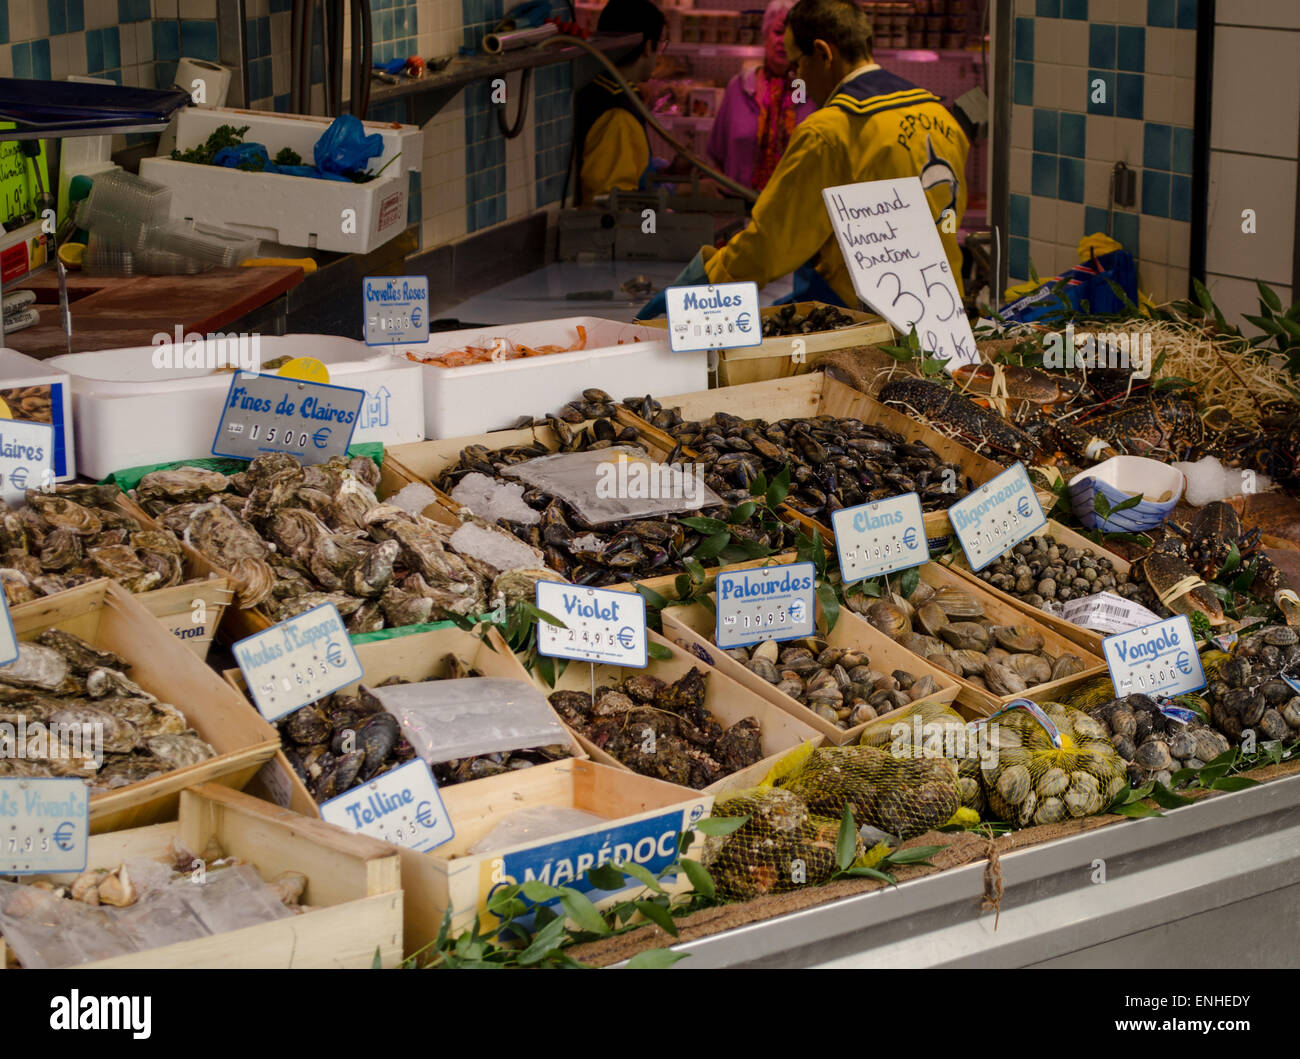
345,148
1083,283
244,153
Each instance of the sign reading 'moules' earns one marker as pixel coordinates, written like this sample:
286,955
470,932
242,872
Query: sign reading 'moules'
713,316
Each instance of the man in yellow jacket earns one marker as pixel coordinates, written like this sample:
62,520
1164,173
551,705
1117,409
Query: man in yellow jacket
613,150
871,125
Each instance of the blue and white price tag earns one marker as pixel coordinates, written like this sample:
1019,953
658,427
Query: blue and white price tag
395,309
8,638
271,413
765,603
713,316
880,537
401,806
1157,659
44,825
600,625
998,515
298,661
26,458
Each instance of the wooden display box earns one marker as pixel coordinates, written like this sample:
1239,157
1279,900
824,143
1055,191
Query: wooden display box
106,615
727,700
1089,639
773,357
178,608
353,886
695,624
637,809
414,657
814,395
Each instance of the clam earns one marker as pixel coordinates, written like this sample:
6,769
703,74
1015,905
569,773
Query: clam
922,593
888,619
958,604
945,661
1067,665
1018,638
922,687
971,662
965,635
1052,782
793,688
1033,669
1154,755
1002,680
1050,811
768,650
764,668
931,618
1013,785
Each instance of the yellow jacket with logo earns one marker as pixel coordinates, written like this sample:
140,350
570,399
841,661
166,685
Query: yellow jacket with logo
877,126
613,150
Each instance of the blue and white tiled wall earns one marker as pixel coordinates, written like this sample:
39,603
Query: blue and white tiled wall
1096,82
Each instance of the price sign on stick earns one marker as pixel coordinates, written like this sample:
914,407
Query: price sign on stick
395,309
26,458
268,413
997,516
898,264
714,316
402,806
765,603
1157,659
600,625
298,661
44,824
880,537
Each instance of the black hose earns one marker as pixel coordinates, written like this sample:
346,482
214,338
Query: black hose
295,55
521,113
308,18
367,57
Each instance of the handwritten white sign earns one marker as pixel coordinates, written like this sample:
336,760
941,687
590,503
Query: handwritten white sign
898,264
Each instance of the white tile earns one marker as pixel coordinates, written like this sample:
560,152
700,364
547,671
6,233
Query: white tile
1022,126
281,25
1158,99
1180,243
1128,142
1042,218
1279,13
1025,8
76,54
59,58
1073,47
22,22
1066,256
1179,284
280,72
1153,279
40,18
1267,186
261,8
1096,182
1047,40
1184,101
1069,223
1047,85
6,62
1021,163
519,201
1100,136
1074,89
100,13
1105,10
199,8
1236,296
1239,122
1131,13
1161,45
162,9
131,77
143,33
1042,254
1153,237
1185,54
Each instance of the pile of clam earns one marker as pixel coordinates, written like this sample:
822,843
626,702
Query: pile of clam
836,683
1247,690
947,627
1044,573
1154,745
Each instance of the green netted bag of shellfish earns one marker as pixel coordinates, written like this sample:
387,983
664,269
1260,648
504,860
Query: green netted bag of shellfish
933,729
1052,763
783,846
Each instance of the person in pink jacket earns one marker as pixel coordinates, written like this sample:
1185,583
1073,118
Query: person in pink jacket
758,111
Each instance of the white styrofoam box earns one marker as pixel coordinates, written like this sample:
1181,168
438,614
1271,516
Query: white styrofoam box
19,371
131,412
292,210
483,397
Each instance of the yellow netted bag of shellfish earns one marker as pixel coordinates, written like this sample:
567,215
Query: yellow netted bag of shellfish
1051,763
782,846
932,729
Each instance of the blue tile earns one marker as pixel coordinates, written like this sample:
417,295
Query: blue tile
41,59
282,102
95,51
1023,89
59,15
112,48
1101,46
199,39
385,26
1183,148
1156,146
1106,90
166,40
1094,219
400,22
164,74
4,23
1043,180
1070,179
1076,9
1180,198
250,40
125,12
113,75
1024,49
1155,193
1048,9
22,60
1126,231
1186,18
264,34
1045,131
1074,135
1128,96
1018,258
1131,53
77,15
278,6
1160,13
1020,215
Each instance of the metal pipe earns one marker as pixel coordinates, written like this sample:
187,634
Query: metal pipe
496,43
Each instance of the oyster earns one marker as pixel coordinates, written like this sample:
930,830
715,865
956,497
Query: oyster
36,667
160,488
119,736
81,655
179,750
61,513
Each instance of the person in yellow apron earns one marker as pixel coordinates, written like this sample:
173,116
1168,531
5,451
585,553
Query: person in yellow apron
613,149
870,125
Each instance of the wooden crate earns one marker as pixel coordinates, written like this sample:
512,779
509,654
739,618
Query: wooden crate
109,617
773,358
353,886
178,609
728,701
813,395
414,657
666,584
695,624
635,807
1089,639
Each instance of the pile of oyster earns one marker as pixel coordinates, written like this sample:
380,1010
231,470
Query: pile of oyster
1152,744
74,534
836,683
62,684
293,537
1249,690
947,628
662,730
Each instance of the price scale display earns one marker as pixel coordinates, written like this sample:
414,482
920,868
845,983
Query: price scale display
765,603
44,825
1157,659
997,516
600,625
880,537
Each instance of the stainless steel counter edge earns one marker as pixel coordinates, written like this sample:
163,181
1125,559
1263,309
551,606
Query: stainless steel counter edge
1194,860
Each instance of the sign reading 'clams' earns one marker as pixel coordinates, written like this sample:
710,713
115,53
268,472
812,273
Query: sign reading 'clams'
880,537
1157,659
600,625
715,316
998,515
765,603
